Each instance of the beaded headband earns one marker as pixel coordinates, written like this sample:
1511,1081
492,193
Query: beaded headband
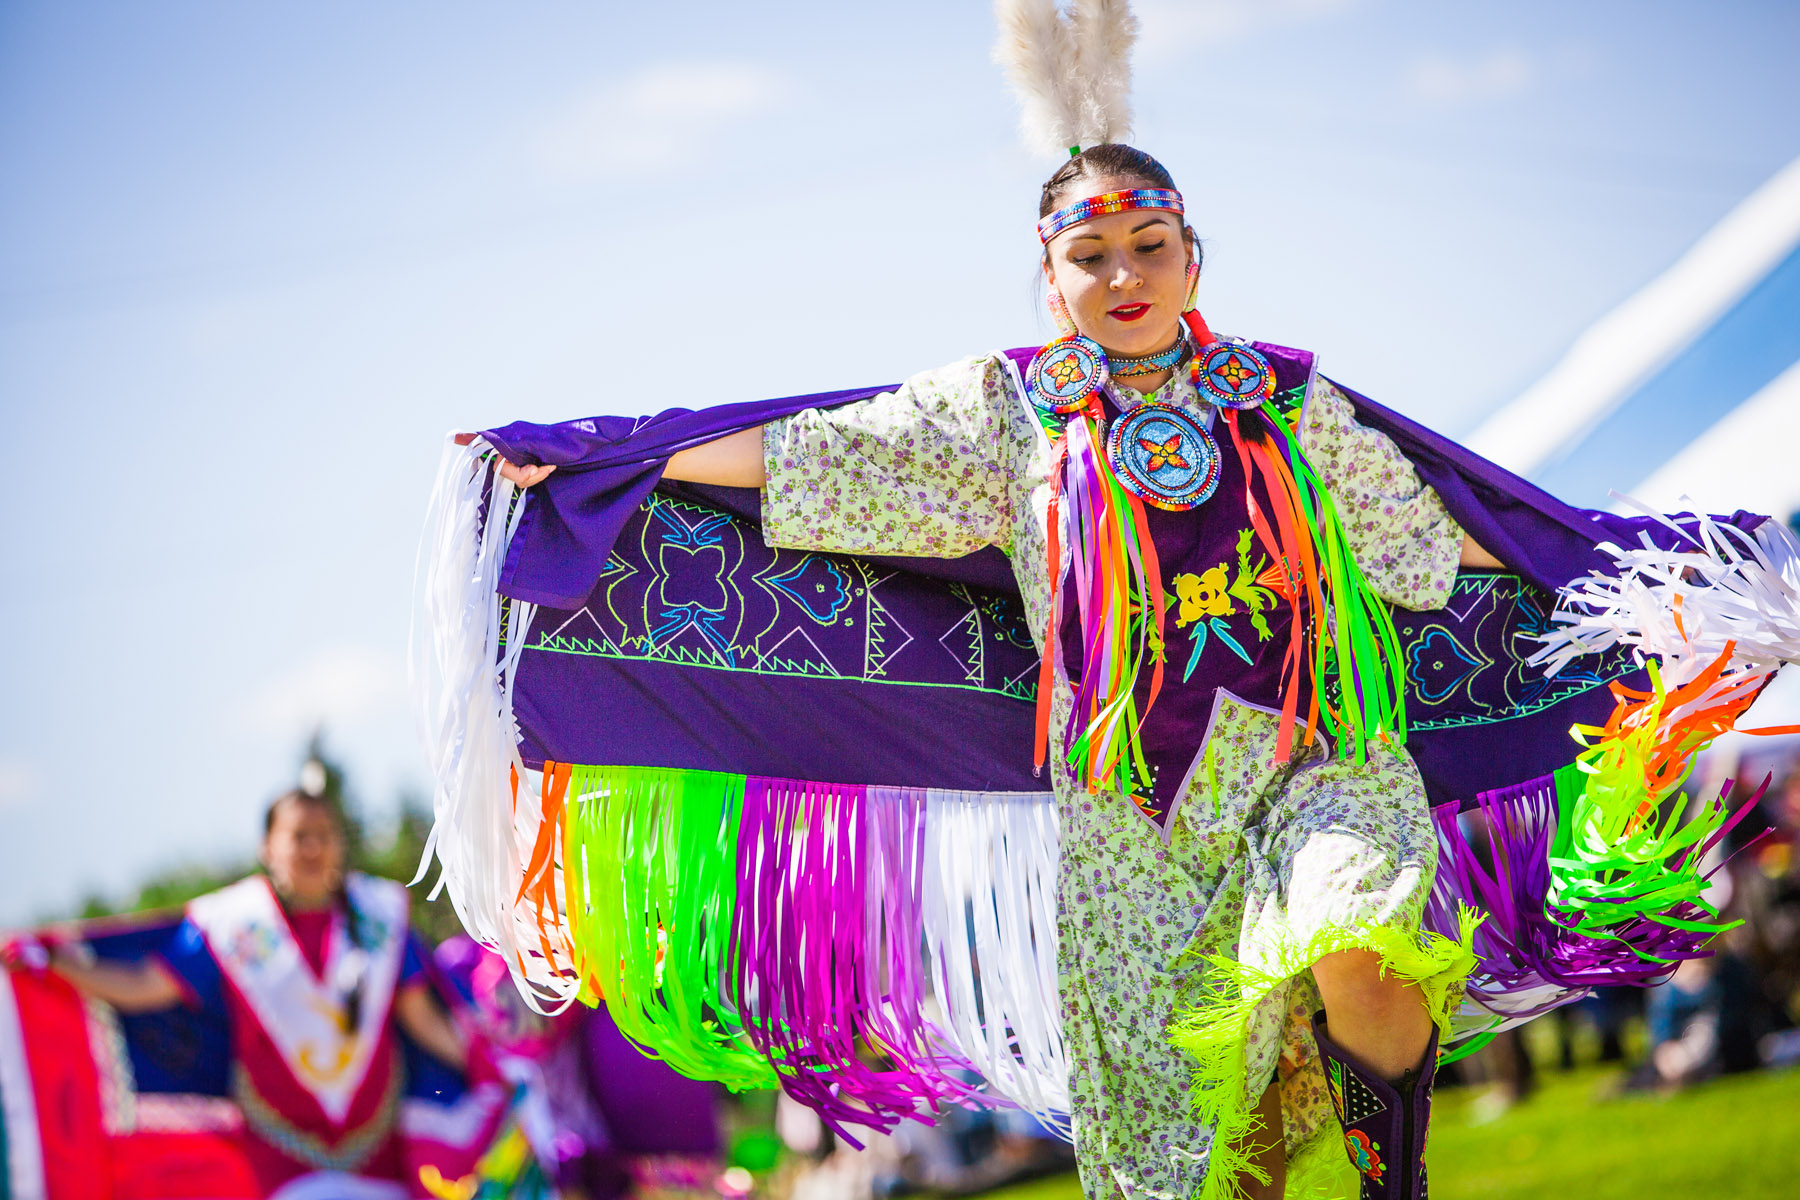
1167,199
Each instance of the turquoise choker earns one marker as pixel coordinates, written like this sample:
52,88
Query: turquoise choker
1164,360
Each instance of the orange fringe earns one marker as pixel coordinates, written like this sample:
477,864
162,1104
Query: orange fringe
1676,742
1290,554
538,882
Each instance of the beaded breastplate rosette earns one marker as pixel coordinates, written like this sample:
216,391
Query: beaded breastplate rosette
1342,642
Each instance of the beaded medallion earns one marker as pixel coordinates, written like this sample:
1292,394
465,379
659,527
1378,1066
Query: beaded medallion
1163,457
1065,373
1234,376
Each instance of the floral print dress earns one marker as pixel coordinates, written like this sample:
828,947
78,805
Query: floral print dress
1268,866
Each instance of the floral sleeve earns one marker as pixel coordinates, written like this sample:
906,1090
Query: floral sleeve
1404,539
918,470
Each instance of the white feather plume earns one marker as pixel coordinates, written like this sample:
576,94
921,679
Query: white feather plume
1038,54
1072,74
1104,32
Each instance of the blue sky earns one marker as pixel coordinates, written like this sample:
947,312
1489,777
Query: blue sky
255,260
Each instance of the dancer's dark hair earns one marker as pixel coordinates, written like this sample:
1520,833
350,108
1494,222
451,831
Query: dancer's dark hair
306,799
1099,162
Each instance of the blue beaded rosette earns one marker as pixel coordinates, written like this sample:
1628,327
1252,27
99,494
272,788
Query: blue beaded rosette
1163,457
1233,376
1065,373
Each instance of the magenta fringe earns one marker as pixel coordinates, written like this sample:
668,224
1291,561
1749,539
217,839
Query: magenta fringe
839,1011
1496,859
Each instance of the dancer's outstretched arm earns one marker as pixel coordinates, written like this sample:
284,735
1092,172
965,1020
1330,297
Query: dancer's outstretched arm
136,987
1474,556
735,460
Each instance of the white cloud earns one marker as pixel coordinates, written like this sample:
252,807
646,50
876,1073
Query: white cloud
663,116
18,783
336,687
1445,80
1172,29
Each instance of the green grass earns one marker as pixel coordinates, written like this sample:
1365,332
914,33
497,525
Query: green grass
1059,1187
1733,1139
1736,1137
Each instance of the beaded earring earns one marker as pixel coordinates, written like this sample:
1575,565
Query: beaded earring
1065,373
1059,310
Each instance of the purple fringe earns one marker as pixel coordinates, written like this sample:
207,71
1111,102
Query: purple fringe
1496,859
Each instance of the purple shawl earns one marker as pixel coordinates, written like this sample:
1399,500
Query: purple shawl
1480,718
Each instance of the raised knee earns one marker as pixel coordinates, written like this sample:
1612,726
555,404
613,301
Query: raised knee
1354,977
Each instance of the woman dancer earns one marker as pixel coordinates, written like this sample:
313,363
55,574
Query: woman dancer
1309,869
1205,540
312,967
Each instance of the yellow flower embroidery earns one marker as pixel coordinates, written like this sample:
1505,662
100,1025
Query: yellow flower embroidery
1202,595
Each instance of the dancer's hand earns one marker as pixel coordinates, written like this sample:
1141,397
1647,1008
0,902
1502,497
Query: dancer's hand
524,476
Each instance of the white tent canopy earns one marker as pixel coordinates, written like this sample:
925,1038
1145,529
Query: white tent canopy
1691,388
1686,396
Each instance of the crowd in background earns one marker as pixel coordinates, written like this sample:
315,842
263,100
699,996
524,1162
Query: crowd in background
1738,1009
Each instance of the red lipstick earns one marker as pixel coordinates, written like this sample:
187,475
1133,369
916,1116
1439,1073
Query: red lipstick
1128,312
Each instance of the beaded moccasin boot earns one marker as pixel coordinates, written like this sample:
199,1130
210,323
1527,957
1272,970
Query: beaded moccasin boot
1384,1123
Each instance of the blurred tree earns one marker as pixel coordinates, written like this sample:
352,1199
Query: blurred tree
391,855
168,891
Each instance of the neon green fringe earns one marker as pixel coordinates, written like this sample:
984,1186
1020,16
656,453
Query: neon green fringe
1623,853
1216,1031
652,867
